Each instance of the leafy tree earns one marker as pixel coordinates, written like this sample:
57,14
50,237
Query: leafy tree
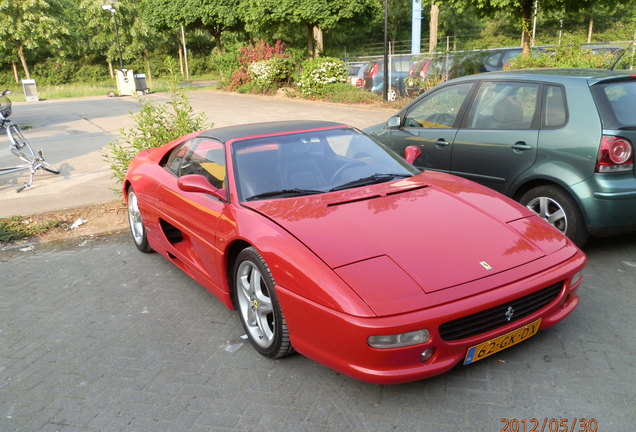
314,15
30,25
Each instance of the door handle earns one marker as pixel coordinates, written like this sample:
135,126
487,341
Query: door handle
520,145
441,143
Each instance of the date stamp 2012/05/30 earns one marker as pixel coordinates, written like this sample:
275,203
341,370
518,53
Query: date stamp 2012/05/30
549,425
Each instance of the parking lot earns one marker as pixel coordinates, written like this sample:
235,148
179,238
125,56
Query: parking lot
96,336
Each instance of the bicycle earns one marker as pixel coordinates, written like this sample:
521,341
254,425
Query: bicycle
20,147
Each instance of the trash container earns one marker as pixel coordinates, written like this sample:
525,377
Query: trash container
125,82
30,90
141,87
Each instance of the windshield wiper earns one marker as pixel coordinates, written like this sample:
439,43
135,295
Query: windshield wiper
284,193
372,179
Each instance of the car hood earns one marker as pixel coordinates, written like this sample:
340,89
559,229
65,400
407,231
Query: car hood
433,229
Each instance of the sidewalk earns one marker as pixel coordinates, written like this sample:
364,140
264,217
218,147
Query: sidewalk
73,132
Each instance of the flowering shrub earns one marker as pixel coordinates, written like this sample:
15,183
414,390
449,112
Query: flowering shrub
270,65
319,73
273,71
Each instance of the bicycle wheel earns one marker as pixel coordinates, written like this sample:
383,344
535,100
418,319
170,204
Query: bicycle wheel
18,140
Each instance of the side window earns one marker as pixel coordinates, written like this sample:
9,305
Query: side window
439,109
205,157
176,156
504,105
554,112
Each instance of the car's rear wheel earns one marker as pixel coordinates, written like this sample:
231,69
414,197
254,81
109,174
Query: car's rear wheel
258,306
557,207
137,228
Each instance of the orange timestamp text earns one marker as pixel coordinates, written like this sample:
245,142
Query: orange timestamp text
549,425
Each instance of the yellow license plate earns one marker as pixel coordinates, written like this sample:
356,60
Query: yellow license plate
502,342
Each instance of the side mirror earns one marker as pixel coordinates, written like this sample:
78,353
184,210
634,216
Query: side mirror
411,153
198,183
393,122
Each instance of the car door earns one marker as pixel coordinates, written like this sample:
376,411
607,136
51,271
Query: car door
430,123
498,139
191,218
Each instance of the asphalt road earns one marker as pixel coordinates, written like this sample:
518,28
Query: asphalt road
96,336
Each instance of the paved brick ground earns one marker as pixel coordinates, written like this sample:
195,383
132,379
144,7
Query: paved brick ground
98,337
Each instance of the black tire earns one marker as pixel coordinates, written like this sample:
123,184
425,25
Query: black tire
559,209
50,168
136,223
258,307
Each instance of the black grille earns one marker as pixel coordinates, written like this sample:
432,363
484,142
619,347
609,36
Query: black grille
493,318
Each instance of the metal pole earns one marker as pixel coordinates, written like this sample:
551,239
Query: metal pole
121,61
185,53
385,91
534,21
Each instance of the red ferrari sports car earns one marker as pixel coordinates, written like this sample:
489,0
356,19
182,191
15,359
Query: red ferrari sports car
331,245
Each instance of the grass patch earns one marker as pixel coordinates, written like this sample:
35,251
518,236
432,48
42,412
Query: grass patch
17,227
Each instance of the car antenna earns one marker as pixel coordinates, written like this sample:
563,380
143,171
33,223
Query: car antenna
621,54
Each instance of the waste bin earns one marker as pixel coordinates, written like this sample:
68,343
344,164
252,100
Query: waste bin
125,82
141,87
30,90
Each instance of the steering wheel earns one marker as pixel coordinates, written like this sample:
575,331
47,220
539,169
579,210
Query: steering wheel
349,164
442,118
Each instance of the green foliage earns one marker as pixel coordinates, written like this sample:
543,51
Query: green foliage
155,125
54,71
563,56
319,74
16,228
346,93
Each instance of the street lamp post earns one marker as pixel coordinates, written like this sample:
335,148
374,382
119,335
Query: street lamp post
110,8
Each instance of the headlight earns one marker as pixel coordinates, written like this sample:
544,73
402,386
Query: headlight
399,340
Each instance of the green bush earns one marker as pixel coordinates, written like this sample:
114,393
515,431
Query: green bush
566,55
54,71
156,124
91,74
319,74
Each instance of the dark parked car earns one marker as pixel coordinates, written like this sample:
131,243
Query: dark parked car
355,73
559,141
399,69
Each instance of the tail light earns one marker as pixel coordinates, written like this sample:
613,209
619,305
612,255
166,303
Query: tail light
614,155
374,70
424,69
359,82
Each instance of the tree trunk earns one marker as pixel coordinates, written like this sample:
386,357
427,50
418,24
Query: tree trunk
181,60
310,40
526,14
433,25
110,70
148,69
217,40
590,28
15,72
317,35
24,63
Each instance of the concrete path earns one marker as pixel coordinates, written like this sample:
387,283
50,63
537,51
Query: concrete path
72,133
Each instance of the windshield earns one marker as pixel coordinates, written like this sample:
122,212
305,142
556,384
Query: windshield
311,163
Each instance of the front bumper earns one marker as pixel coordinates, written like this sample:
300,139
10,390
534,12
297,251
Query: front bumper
339,341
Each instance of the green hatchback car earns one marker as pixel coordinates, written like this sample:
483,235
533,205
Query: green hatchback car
560,141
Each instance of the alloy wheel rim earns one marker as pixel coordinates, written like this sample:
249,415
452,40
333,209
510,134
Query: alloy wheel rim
134,218
551,211
255,304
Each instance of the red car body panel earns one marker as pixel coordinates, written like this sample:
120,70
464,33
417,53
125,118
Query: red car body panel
389,258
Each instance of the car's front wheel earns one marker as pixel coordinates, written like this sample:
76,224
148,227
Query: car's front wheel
136,223
258,306
557,207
